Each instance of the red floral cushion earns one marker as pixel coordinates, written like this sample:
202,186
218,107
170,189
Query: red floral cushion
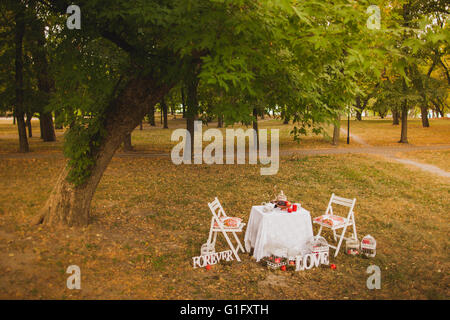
229,222
330,220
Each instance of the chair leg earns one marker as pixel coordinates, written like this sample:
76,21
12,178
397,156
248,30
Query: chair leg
340,241
320,230
354,228
210,232
214,239
334,235
239,242
231,246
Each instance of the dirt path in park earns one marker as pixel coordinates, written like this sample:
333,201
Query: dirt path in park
389,152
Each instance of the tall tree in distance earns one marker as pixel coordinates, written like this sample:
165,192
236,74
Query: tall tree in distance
19,110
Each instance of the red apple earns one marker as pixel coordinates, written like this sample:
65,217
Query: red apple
333,266
283,268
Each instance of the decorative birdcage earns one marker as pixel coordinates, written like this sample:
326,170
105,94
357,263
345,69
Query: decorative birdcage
352,247
318,244
369,246
207,248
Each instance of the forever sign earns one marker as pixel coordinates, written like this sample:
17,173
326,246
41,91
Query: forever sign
212,258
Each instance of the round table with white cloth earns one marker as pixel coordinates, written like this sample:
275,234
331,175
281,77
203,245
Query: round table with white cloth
273,231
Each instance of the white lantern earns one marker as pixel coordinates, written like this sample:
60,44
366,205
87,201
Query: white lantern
318,244
369,246
207,248
352,247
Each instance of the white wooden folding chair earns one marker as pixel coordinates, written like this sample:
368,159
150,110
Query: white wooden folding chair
217,226
334,222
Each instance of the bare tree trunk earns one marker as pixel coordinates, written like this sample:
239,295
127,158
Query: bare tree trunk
255,127
285,116
19,108
404,133
336,131
395,117
191,84
151,116
164,111
424,114
127,143
47,128
358,108
220,121
183,102
28,123
45,84
69,204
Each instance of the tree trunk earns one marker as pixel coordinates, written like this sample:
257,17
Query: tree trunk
191,84
424,114
28,123
69,204
285,116
255,127
336,131
151,116
220,121
164,111
45,84
19,108
358,108
404,134
395,117
127,143
47,128
183,102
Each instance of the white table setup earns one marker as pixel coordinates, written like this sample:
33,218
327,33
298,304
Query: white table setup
273,230
281,235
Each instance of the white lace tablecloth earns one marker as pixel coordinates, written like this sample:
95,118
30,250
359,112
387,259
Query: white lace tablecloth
277,230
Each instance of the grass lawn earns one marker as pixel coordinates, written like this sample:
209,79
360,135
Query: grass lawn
149,220
437,158
382,132
156,139
150,217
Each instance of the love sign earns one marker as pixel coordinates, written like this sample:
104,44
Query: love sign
212,258
311,260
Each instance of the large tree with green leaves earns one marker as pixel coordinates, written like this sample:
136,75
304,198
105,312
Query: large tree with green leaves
129,54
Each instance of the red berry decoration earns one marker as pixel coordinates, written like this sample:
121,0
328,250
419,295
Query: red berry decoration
208,267
333,266
277,260
283,268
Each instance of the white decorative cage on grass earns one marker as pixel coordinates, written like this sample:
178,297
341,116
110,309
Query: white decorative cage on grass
318,244
352,247
369,246
207,248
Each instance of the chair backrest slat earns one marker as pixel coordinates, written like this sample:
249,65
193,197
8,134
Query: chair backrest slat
343,202
213,206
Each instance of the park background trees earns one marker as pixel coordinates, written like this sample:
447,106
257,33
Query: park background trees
308,61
